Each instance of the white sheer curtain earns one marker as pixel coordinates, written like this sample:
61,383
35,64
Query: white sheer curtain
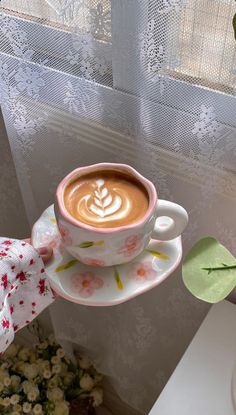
145,82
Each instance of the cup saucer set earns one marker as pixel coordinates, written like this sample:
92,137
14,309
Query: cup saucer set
108,266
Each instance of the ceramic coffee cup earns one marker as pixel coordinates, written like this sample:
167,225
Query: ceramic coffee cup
112,246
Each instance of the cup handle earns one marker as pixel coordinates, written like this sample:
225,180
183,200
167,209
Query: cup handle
179,221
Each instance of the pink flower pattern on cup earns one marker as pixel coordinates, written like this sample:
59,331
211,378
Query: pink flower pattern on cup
131,245
53,241
93,262
85,283
65,234
142,272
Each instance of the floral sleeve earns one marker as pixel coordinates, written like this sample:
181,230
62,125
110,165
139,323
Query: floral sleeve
24,289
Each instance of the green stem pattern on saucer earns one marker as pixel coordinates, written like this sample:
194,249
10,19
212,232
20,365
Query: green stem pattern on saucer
118,279
66,266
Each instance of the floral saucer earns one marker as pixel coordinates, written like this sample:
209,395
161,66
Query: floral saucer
103,286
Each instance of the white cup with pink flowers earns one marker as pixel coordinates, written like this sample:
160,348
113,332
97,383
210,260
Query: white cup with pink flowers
107,214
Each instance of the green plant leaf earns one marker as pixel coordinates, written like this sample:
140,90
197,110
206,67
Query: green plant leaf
234,26
214,285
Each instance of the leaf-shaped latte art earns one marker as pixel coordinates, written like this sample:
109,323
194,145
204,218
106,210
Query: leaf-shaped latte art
103,204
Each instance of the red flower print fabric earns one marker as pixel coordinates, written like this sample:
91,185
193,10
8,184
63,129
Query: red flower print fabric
24,289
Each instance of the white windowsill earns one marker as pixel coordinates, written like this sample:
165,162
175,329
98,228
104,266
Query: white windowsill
201,383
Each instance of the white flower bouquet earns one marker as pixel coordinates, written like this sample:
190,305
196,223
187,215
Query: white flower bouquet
42,380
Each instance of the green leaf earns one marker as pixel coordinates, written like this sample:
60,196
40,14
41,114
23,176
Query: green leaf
46,354
234,26
74,393
213,285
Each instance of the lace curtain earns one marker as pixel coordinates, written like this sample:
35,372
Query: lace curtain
150,83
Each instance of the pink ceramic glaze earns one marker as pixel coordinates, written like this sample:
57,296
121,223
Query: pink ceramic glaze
112,246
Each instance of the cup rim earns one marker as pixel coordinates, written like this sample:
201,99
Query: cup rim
149,186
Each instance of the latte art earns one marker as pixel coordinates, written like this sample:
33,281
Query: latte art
103,203
106,199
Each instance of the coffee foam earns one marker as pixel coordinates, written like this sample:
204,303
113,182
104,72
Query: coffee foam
106,199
